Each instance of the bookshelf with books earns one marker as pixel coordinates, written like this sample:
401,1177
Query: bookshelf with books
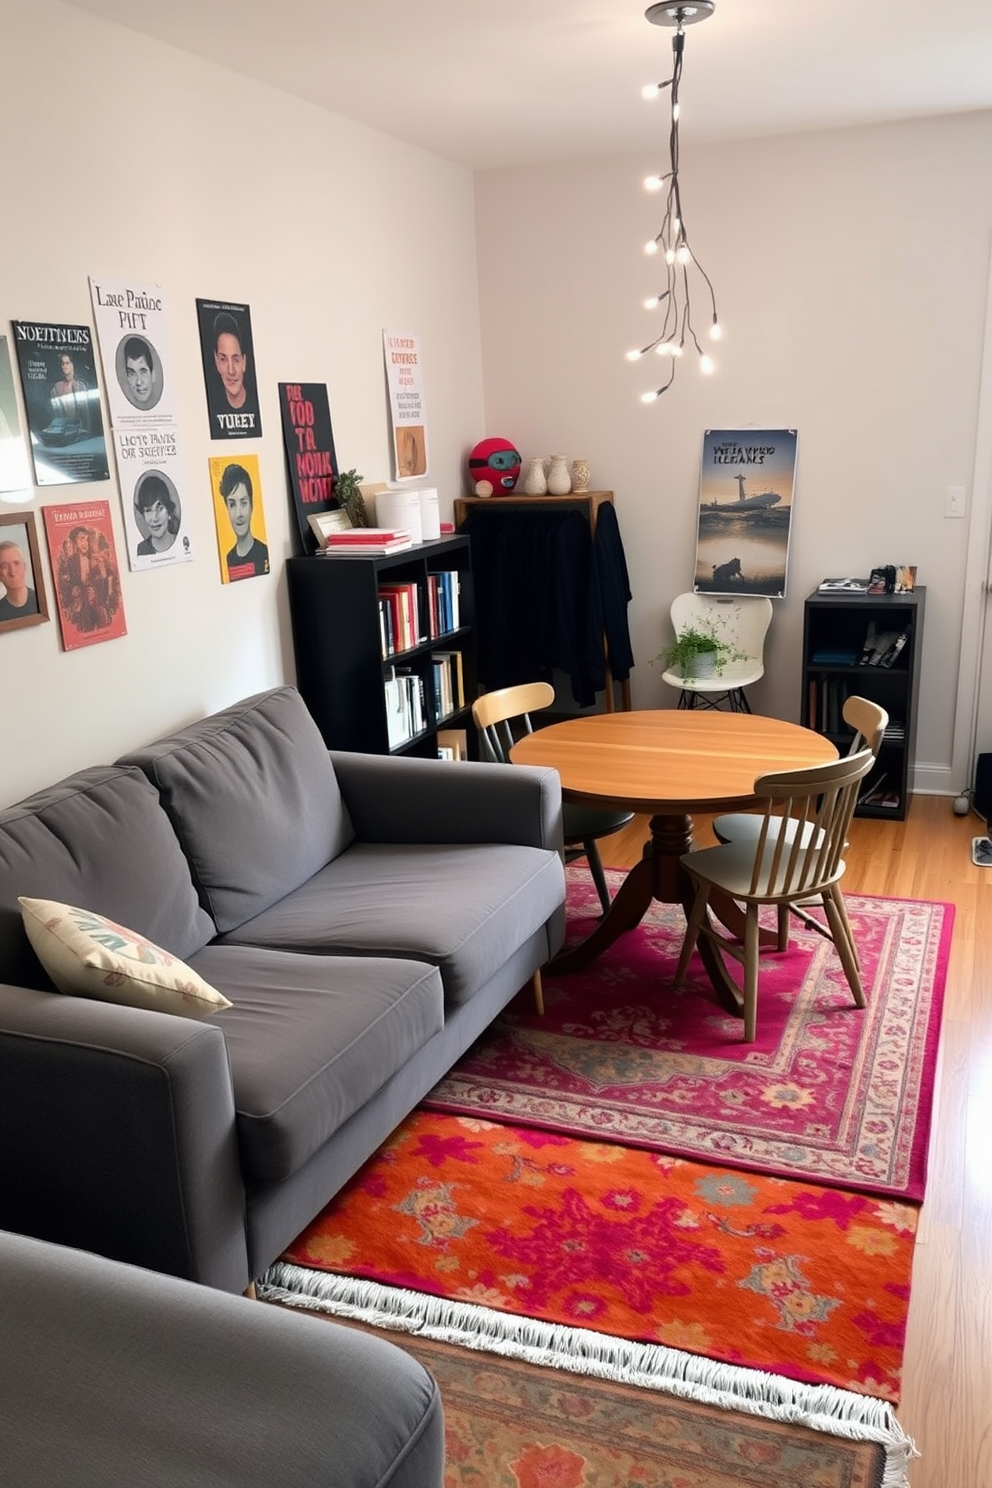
869,645
384,646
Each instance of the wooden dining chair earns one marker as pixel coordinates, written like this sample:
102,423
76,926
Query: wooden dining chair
501,717
797,856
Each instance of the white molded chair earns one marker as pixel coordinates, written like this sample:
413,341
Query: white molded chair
741,622
798,855
495,714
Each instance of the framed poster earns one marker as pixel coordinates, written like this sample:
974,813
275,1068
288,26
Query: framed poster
57,364
310,457
239,514
405,376
229,369
22,588
745,511
85,572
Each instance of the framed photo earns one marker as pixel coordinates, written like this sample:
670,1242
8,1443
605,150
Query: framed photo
22,588
324,523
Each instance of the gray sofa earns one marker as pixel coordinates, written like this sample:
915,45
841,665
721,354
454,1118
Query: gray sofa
367,916
115,1377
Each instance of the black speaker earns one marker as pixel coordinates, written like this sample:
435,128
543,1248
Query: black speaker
983,786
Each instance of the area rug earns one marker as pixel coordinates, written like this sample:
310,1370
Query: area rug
827,1092
775,1275
509,1422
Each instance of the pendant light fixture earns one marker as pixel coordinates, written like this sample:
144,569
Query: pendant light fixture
673,302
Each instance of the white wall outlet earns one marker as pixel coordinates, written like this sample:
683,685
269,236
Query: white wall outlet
954,502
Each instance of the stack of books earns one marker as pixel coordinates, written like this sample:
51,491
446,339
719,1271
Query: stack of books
374,540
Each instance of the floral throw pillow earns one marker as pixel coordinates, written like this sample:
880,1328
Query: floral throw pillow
87,955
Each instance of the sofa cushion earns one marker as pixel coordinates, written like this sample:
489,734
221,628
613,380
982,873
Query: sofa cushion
466,909
100,840
87,955
310,1039
254,801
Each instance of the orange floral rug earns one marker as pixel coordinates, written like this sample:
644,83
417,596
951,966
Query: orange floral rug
806,1282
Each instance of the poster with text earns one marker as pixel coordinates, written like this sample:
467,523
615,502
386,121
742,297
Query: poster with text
745,511
240,517
310,457
57,364
153,498
228,354
404,375
85,572
14,475
134,346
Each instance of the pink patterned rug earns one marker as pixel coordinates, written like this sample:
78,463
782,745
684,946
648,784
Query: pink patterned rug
827,1093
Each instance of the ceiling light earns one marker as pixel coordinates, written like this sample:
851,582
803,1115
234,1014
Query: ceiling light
672,241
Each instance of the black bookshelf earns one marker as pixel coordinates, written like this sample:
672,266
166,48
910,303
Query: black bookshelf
835,630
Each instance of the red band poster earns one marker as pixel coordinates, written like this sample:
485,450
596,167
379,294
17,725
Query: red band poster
86,573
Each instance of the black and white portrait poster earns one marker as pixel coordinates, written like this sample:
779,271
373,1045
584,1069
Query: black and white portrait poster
57,365
134,346
310,457
229,369
153,489
14,475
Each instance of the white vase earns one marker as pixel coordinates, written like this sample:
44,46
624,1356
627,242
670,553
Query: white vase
559,480
581,475
534,481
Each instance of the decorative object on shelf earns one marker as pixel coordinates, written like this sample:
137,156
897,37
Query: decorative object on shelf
535,481
347,489
581,475
493,463
559,480
672,239
699,652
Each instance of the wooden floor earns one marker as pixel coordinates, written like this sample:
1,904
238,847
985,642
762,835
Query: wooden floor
947,1383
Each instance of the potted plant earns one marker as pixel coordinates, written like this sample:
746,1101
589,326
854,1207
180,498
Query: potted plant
348,491
698,651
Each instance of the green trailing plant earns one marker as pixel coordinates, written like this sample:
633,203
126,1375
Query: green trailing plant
348,491
696,641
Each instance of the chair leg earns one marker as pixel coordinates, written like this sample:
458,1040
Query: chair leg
750,988
837,917
783,927
842,907
696,917
538,990
598,876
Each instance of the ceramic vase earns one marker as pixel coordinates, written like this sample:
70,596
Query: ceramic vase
559,480
580,475
535,483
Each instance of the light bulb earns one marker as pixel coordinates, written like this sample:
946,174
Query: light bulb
653,183
634,356
716,330
651,303
706,365
664,348
651,247
682,254
677,351
649,397
650,90
669,255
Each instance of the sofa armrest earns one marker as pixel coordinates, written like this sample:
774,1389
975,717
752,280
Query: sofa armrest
400,798
111,1375
117,1135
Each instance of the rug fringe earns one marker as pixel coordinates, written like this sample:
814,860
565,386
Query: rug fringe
653,1366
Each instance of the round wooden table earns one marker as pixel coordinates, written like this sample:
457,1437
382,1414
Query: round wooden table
667,764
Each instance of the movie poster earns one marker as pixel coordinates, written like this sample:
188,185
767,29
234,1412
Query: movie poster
156,522
404,374
239,517
310,457
229,369
134,346
745,511
85,572
57,364
14,475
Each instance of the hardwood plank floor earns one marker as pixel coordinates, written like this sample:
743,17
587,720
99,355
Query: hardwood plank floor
947,1383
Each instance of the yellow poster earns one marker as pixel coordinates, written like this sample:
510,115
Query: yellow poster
239,517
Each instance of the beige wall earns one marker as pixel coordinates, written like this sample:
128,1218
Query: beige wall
124,158
851,273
